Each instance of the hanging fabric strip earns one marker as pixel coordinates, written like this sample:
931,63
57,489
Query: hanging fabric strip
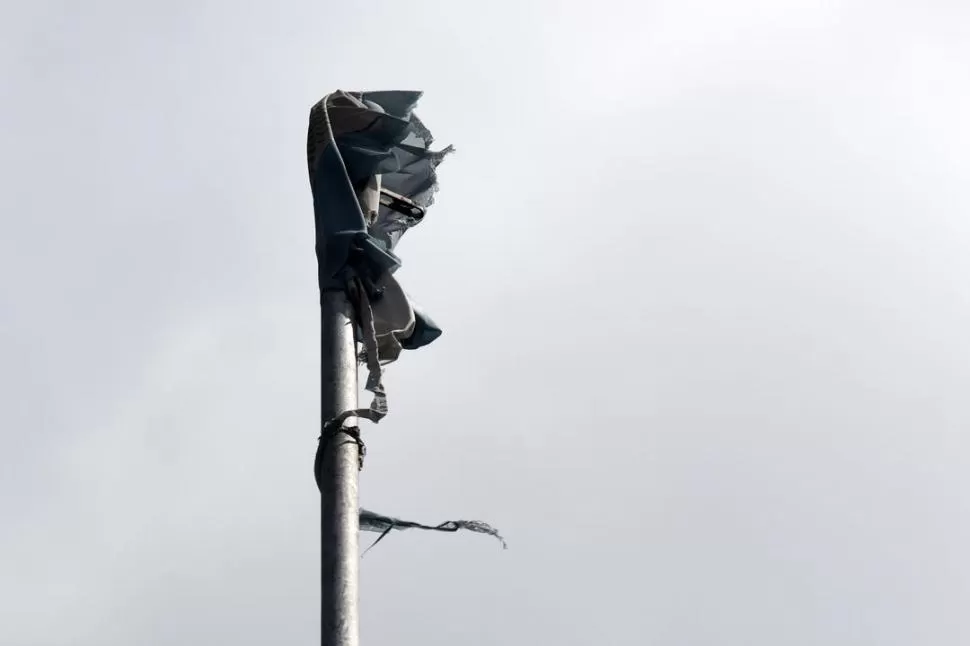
365,320
372,522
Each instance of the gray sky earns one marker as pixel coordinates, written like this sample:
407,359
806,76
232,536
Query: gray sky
705,359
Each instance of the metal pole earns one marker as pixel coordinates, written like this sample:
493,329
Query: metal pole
339,507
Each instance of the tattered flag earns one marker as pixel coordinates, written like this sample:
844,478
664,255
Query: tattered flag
372,173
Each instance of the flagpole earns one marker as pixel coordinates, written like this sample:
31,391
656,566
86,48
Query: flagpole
339,466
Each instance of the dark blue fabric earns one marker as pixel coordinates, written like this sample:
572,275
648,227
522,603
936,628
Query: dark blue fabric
342,239
425,331
394,144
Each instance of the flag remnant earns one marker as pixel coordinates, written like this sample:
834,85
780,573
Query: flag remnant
371,522
373,176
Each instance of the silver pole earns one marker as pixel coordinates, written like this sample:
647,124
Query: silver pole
339,526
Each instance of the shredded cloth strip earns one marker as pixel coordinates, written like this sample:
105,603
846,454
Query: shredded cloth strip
367,155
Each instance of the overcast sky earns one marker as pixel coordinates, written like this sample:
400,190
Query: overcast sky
702,268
